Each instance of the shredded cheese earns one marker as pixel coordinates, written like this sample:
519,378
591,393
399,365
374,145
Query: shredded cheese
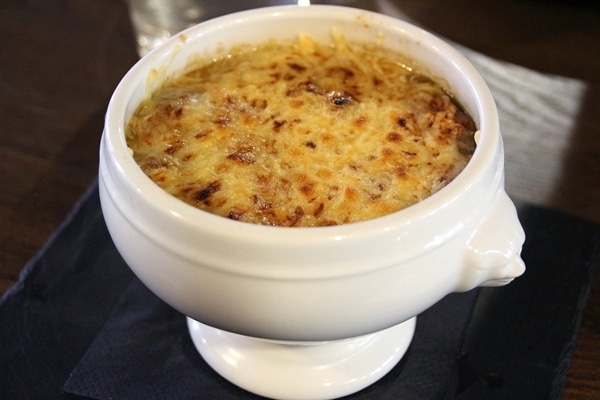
302,134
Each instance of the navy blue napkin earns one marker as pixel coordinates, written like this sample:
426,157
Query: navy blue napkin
145,352
78,324
62,299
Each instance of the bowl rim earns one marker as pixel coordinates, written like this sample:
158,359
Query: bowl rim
113,140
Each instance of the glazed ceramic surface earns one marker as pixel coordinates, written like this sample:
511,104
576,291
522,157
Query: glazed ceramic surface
311,284
302,370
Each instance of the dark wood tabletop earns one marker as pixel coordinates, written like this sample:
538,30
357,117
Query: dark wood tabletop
60,60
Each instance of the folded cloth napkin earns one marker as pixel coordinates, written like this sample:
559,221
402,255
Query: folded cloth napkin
77,319
521,338
145,352
492,343
64,295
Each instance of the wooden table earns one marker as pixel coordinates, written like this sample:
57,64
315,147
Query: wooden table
61,59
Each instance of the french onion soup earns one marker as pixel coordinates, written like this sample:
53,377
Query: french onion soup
302,133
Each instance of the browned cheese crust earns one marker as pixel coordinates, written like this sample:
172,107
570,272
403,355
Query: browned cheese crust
302,134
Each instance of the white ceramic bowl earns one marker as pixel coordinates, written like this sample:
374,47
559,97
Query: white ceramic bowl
312,284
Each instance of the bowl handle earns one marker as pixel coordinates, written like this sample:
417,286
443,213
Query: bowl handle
493,251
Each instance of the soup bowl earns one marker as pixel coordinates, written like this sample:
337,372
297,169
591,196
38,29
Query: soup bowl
310,312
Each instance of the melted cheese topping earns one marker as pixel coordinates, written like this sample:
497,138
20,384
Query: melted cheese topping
301,134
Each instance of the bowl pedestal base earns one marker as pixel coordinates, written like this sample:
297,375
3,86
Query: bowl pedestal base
302,370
